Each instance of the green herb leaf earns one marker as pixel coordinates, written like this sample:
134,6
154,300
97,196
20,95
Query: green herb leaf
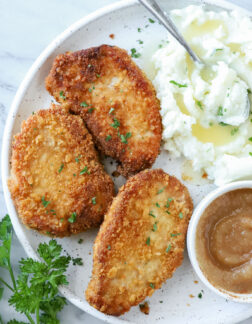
157,204
80,241
168,248
152,285
84,104
249,91
200,295
77,159
44,202
175,234
151,214
140,41
220,111
62,95
90,110
151,21
160,191
234,131
178,84
154,227
77,261
250,139
139,30
181,215
61,167
109,247
108,138
148,241
85,170
250,153
72,218
223,124
116,123
199,104
93,200
134,53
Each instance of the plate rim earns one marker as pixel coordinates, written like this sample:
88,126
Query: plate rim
7,139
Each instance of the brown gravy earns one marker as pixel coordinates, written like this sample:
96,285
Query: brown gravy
224,241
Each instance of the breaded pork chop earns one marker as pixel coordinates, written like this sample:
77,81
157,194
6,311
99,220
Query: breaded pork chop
57,183
141,241
116,100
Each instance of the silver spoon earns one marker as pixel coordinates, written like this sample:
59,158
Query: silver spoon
154,8
166,21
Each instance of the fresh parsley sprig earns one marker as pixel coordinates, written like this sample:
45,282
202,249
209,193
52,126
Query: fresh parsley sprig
35,292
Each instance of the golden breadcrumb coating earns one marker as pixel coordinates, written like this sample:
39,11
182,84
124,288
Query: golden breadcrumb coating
57,183
116,100
141,241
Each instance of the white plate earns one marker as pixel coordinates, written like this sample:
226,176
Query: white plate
121,19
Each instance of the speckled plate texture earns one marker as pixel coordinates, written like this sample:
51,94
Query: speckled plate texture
177,301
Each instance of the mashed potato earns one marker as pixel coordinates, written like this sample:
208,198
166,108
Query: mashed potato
205,110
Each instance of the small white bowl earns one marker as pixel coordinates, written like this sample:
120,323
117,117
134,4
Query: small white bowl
191,239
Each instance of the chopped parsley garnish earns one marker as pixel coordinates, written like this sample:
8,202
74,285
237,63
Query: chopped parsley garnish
220,111
139,30
93,200
109,247
170,199
249,91
85,170
98,75
157,204
151,21
124,138
152,215
62,95
77,261
61,167
223,124
44,202
154,227
161,302
72,218
80,241
134,53
84,104
148,241
77,159
140,41
111,110
219,49
168,202
200,295
152,285
116,123
91,89
160,191
250,139
108,138
250,153
178,84
90,110
199,104
175,234
168,248
181,215
167,212
234,131
74,174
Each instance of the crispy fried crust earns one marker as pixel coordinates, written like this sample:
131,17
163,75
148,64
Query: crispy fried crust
47,159
141,241
90,82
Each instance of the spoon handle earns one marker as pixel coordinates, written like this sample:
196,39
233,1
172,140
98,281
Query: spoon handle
154,8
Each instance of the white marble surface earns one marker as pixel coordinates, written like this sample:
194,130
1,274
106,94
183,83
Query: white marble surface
26,27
